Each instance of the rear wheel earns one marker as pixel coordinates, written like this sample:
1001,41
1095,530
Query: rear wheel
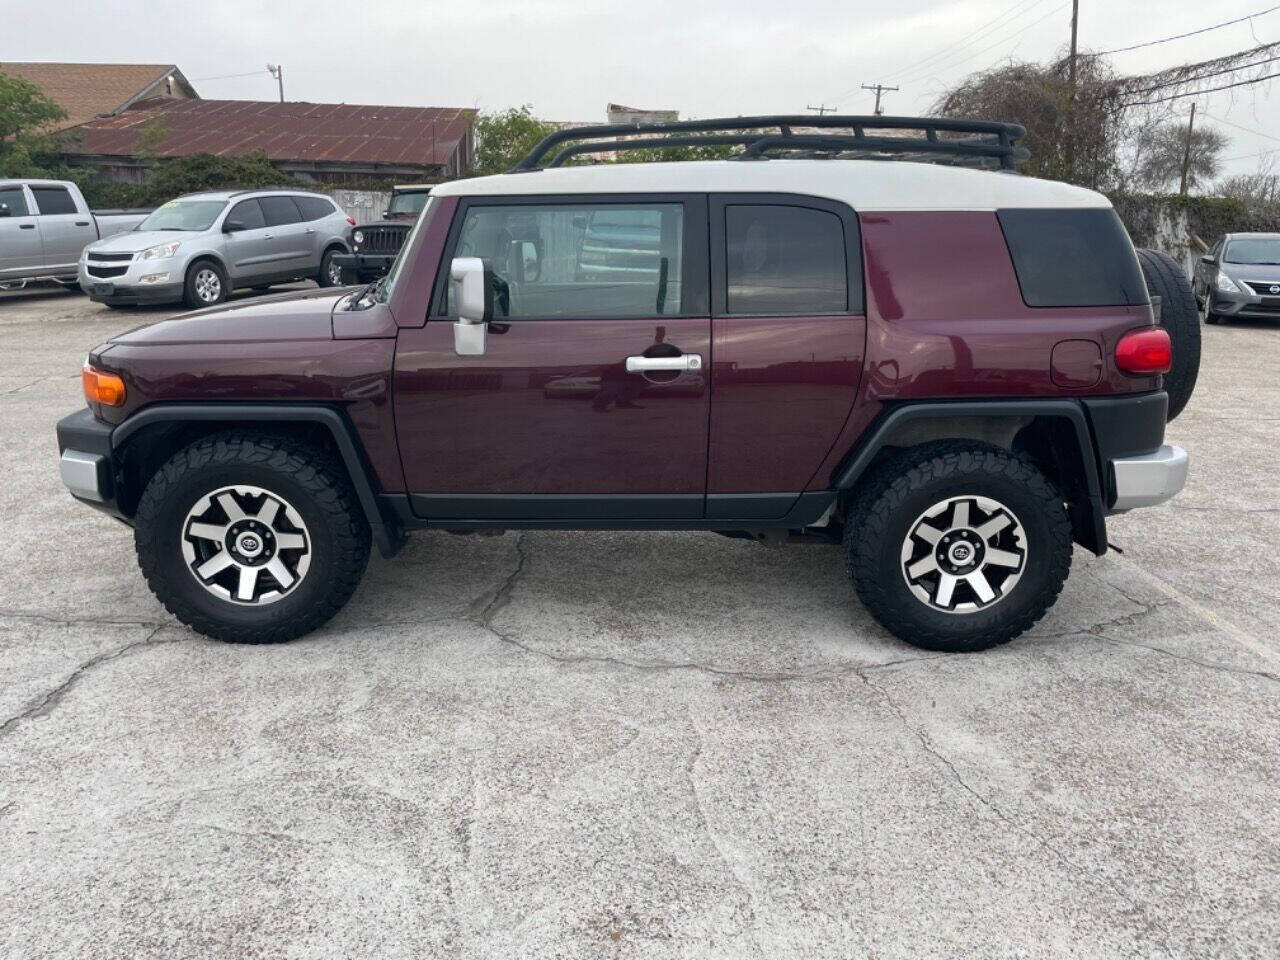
1180,316
251,539
206,284
957,546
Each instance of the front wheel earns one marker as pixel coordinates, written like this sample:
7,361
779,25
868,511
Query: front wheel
330,272
251,539
958,546
205,286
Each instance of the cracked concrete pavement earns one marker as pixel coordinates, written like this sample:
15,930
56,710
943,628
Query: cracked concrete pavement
641,745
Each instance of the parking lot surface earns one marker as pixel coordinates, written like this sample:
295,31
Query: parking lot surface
641,744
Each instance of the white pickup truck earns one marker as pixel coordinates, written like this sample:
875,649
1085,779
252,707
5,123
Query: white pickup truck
44,224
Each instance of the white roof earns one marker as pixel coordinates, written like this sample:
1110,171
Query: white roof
865,185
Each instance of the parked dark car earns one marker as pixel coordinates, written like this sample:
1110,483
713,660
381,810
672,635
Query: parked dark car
374,246
953,373
1240,277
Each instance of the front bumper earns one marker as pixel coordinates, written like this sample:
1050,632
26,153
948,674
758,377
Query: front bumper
87,464
1243,304
128,288
363,267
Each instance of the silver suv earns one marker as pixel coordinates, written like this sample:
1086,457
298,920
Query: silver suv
200,247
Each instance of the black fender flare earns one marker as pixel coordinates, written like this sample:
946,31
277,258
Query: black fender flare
387,532
1091,531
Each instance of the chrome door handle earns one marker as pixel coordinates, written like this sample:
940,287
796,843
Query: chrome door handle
684,362
309,230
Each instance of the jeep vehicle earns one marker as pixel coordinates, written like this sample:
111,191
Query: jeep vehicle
374,246
953,372
45,224
1240,277
198,248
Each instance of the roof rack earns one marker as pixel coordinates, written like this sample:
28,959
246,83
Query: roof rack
758,135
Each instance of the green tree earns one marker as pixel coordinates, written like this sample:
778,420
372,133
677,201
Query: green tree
27,117
504,137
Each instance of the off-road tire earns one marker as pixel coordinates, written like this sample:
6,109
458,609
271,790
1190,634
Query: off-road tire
189,295
1180,316
887,504
308,479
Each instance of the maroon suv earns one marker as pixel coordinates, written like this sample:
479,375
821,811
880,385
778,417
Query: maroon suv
954,372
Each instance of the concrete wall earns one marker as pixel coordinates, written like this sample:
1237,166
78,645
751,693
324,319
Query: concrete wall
363,206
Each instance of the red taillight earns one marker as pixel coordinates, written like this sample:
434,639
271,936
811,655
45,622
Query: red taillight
1145,351
351,220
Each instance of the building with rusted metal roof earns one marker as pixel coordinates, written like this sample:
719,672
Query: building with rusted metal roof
329,142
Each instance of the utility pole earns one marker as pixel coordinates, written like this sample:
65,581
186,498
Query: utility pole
1186,153
822,108
1071,61
278,73
879,88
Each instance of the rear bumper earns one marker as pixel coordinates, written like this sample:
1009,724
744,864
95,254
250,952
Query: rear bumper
1150,478
1138,469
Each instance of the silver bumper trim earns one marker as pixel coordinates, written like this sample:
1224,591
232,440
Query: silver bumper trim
82,474
1149,479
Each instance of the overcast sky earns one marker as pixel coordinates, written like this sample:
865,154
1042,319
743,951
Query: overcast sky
568,58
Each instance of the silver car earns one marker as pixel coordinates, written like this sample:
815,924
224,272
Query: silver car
200,247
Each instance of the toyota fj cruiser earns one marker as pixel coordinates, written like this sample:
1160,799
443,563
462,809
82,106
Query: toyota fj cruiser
953,372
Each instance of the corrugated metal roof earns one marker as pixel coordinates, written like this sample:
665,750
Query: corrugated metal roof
300,132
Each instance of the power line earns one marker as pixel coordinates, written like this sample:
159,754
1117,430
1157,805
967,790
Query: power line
947,50
1205,76
1229,123
987,40
1180,36
1196,93
227,76
880,89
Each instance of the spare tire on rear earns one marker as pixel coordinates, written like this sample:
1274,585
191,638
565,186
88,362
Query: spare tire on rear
1181,317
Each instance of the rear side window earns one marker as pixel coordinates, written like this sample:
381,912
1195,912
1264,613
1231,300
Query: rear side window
279,210
248,213
53,200
1073,258
784,260
15,200
314,208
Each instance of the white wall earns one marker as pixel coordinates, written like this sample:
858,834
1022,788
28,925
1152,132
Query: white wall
363,206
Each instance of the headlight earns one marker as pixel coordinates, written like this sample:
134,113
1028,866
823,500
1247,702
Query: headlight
161,251
1226,284
358,237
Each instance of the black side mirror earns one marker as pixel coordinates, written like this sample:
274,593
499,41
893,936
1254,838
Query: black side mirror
232,226
5,211
1207,258
386,214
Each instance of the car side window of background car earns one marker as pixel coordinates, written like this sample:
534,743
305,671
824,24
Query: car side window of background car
53,200
579,260
279,211
15,200
249,213
315,208
784,260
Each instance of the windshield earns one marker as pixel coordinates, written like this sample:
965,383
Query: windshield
1265,250
407,203
397,268
184,215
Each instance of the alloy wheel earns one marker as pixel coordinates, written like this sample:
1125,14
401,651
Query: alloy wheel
246,544
208,285
335,274
964,554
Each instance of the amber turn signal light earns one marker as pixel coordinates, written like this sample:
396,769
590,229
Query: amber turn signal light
104,388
